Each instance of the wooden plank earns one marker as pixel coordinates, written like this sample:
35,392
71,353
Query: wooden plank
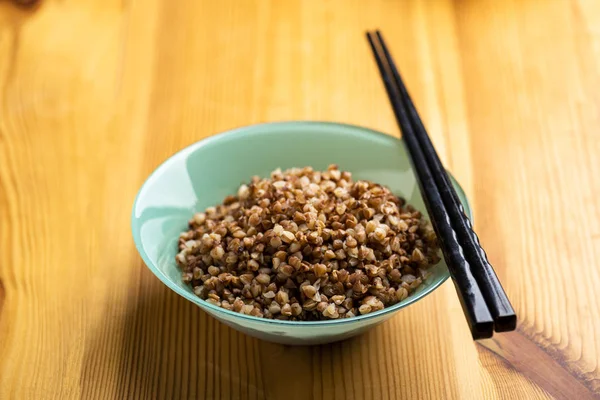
95,94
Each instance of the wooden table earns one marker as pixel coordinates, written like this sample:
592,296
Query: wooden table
95,94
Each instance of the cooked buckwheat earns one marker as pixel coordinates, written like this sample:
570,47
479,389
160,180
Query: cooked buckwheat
307,245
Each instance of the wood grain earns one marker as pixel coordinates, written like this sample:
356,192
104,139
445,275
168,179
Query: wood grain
95,94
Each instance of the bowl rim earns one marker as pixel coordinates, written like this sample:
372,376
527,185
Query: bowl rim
212,309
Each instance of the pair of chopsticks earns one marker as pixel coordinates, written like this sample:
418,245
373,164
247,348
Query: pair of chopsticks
484,302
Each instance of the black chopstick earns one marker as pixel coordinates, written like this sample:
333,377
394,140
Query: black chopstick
472,301
496,299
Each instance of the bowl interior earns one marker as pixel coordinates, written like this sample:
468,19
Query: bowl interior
204,173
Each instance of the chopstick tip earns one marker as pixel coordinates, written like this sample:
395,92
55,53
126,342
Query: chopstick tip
482,330
505,323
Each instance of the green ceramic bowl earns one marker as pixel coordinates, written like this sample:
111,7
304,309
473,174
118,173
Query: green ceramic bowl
204,173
